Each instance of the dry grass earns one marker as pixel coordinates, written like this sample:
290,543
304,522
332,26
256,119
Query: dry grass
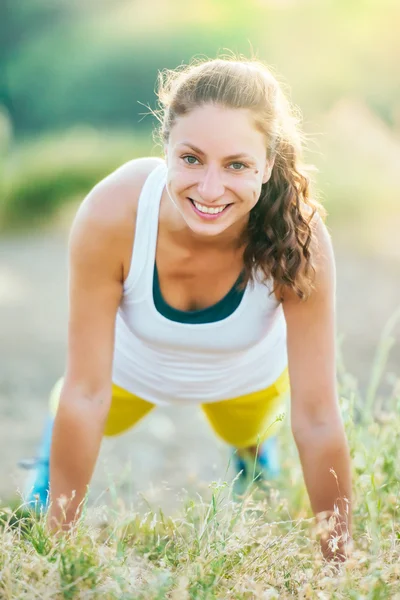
263,547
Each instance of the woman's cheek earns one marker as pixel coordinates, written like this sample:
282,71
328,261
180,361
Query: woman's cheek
179,179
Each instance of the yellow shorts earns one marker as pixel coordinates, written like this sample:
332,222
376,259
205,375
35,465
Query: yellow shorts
242,422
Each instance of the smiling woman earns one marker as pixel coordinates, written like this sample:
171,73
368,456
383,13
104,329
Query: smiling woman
241,108
205,278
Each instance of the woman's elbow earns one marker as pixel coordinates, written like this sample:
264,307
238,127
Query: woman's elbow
75,402
327,427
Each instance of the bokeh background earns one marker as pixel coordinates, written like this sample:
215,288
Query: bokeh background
76,83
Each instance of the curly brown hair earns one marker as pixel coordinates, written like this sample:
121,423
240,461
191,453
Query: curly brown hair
278,239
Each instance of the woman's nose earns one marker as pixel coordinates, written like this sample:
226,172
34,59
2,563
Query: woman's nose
211,185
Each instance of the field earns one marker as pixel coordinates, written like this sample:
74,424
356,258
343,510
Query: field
147,537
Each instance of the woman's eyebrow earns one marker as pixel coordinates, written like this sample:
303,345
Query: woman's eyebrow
230,157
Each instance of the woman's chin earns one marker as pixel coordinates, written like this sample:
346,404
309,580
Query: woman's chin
206,229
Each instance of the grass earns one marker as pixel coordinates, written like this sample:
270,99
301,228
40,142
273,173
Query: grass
265,546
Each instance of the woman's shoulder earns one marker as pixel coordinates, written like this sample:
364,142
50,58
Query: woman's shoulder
125,183
107,216
113,201
133,173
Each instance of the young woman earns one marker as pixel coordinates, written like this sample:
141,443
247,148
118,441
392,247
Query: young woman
205,278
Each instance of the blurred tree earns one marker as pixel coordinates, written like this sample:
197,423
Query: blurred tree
20,22
64,62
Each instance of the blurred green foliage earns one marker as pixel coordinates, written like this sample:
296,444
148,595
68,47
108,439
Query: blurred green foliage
94,63
90,62
42,174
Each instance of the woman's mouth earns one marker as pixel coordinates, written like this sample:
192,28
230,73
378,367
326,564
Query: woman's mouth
209,212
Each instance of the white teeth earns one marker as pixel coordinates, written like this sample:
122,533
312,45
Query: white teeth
207,210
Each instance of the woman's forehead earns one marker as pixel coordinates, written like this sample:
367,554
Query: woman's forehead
233,131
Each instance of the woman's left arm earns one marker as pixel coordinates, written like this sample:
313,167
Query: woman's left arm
315,415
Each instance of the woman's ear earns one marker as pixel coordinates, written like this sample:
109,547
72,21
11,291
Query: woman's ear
268,170
166,154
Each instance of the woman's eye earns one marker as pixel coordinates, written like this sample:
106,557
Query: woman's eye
189,159
238,164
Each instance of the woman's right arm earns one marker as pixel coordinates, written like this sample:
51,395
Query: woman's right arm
95,289
101,240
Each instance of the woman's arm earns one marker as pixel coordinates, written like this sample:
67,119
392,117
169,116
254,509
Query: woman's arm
315,416
101,239
95,289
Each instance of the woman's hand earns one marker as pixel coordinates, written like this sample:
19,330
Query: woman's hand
335,537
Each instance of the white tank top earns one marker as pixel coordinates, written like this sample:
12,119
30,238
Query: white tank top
167,362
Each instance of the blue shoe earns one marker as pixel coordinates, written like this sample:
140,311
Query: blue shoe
268,458
37,490
265,468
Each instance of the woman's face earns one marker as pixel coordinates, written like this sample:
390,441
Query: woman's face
217,162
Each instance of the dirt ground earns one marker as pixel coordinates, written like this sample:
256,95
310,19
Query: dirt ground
172,448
